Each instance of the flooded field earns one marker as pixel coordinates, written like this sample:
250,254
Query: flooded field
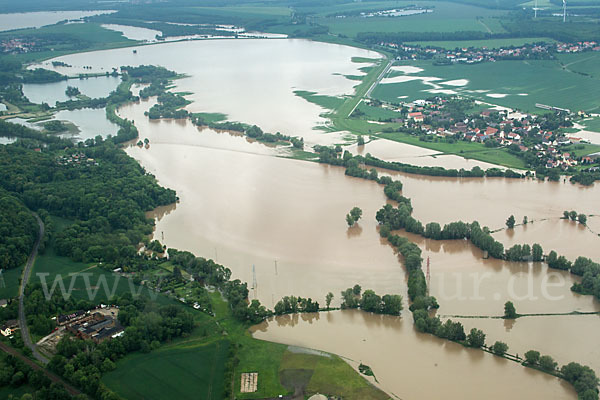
411,365
248,208
389,150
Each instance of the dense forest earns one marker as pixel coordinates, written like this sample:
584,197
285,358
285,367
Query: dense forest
106,195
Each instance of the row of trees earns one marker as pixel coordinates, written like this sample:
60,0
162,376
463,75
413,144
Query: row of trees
293,304
583,378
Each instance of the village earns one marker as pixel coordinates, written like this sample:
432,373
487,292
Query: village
544,136
471,55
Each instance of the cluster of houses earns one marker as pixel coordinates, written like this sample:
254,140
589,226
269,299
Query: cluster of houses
9,327
505,129
76,159
577,47
476,55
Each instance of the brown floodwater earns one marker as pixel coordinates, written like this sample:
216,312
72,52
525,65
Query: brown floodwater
413,365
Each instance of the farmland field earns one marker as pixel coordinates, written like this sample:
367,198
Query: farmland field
517,84
446,17
178,372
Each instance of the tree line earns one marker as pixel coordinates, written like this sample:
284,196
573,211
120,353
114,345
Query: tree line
18,231
333,156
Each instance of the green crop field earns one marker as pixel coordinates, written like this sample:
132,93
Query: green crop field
517,84
585,63
179,372
490,44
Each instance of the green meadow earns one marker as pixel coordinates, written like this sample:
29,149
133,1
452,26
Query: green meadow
583,63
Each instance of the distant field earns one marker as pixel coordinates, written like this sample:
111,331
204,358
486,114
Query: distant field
446,17
490,44
517,84
86,37
245,11
178,372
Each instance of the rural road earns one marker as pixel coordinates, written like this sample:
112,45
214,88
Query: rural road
26,273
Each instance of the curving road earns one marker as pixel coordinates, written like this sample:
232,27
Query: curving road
26,273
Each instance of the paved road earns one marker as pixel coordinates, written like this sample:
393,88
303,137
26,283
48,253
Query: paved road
50,375
368,93
26,273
